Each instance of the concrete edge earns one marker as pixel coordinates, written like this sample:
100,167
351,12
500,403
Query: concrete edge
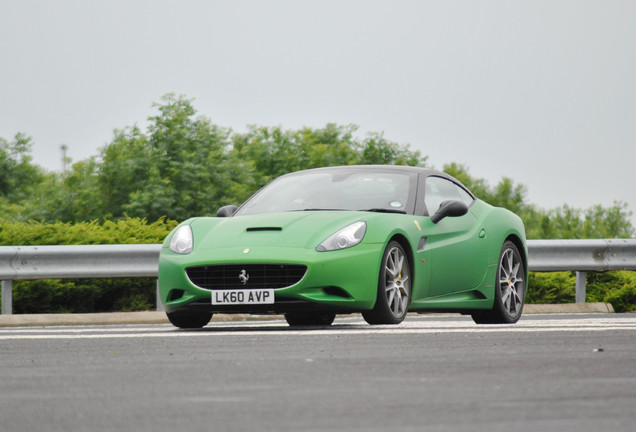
152,317
568,308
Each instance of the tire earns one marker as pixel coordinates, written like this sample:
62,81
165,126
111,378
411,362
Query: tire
310,318
394,287
510,289
191,320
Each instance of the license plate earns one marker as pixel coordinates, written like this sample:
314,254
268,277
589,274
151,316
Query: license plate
241,297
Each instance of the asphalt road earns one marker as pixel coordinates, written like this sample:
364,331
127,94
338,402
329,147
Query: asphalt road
432,373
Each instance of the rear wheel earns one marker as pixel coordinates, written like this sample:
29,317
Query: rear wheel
309,318
394,288
510,289
190,320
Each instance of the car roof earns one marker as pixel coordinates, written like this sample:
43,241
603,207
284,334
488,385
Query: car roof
406,168
426,172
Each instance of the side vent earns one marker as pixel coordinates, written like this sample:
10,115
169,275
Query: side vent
175,294
421,244
337,291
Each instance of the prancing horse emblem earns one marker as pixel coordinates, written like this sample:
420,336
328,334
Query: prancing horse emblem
244,277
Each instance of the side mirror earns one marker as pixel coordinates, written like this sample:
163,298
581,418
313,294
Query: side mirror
449,209
226,211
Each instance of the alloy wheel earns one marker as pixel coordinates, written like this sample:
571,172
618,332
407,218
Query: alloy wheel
397,281
511,281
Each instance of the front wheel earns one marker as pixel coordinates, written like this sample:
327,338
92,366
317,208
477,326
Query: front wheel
510,289
309,318
394,288
191,320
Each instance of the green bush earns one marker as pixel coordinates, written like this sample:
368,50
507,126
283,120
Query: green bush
84,295
547,288
616,287
124,231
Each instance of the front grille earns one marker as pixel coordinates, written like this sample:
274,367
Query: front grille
232,276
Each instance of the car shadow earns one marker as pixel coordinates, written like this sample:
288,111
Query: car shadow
210,328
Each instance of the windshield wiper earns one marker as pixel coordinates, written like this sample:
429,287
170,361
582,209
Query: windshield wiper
319,209
385,210
376,210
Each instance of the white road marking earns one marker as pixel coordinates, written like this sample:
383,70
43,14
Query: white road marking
348,327
84,329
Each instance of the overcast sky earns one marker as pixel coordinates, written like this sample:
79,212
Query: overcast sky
543,92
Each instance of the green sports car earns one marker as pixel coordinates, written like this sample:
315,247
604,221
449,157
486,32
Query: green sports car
380,240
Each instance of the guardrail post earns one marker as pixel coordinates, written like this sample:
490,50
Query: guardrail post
159,304
7,297
581,282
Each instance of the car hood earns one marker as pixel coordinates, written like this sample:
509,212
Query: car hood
302,229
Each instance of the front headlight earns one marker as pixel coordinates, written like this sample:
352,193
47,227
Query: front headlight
345,238
182,242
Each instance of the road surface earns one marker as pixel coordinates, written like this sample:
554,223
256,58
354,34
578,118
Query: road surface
432,373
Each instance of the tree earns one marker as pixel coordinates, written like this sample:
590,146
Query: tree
596,222
377,150
177,169
69,197
20,179
186,171
18,176
124,169
264,153
611,222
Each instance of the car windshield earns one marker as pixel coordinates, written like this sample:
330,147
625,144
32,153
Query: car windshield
338,189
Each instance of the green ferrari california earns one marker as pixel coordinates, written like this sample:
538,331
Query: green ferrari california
379,240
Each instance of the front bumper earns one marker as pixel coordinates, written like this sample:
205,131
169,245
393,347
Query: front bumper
339,281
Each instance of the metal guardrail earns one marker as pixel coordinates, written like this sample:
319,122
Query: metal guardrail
82,261
582,255
112,261
74,262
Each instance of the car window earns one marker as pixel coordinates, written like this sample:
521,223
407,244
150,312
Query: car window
465,196
337,189
439,189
